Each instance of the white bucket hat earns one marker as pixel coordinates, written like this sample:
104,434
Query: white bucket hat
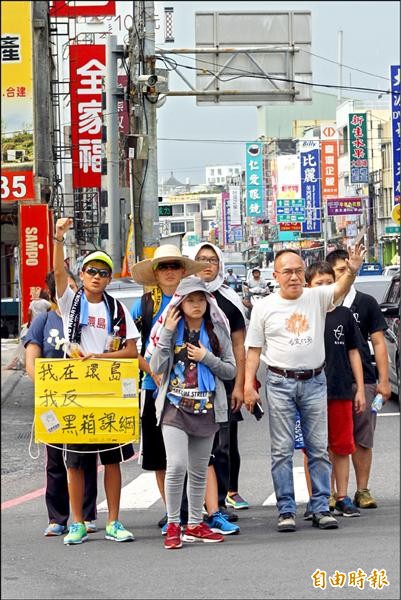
144,271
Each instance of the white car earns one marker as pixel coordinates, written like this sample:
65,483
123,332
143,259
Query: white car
126,290
391,270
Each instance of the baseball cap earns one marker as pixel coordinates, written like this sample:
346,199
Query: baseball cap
98,255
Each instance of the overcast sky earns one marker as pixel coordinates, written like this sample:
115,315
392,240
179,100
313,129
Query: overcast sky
371,42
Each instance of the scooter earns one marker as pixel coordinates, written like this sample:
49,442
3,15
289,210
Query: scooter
252,296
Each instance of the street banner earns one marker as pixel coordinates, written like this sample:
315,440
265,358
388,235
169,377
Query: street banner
77,8
235,204
358,147
286,183
310,185
34,253
395,122
254,180
345,206
329,160
87,70
17,144
86,402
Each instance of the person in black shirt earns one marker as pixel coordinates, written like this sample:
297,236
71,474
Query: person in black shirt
341,344
372,324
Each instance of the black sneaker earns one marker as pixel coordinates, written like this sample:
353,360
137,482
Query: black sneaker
346,508
286,522
229,514
324,520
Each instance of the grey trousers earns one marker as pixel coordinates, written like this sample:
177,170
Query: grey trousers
185,453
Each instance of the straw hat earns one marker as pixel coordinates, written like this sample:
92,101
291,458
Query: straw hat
144,271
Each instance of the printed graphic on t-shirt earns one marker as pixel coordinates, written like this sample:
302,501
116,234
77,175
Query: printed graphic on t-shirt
98,322
298,324
183,390
339,335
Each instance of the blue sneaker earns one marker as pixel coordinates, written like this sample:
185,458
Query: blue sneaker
55,529
219,524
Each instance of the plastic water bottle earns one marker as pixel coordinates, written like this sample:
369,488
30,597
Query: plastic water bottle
377,403
113,340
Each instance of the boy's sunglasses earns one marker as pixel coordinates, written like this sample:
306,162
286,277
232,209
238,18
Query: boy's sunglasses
165,266
92,271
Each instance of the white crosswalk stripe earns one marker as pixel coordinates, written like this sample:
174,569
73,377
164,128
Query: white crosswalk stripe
301,491
141,492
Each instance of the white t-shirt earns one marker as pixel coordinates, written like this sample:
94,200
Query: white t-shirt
292,331
94,335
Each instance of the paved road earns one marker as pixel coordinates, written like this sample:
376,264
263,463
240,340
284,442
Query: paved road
259,563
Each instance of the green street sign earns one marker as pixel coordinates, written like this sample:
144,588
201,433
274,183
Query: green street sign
392,229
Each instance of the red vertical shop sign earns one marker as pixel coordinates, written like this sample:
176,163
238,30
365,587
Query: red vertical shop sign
93,8
87,69
329,160
34,252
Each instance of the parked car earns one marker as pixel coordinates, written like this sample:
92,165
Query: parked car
391,270
390,308
374,285
126,290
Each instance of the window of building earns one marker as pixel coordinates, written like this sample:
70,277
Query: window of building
218,171
190,226
178,227
191,209
178,209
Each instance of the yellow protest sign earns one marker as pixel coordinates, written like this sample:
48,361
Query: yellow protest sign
86,402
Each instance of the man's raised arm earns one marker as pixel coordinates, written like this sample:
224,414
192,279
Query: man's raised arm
60,274
354,262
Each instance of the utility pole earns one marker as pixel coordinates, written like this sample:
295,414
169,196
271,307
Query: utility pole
144,95
112,155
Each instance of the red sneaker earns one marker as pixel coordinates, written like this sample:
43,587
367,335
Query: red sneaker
172,541
201,533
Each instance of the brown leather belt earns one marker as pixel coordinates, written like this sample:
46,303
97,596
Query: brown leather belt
291,374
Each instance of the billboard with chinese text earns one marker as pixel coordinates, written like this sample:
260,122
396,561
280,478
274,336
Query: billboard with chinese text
395,122
254,179
17,143
310,185
358,148
87,69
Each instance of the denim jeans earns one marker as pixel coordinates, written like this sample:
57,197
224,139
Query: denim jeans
284,396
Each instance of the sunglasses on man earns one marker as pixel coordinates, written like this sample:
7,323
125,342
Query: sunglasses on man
165,266
92,271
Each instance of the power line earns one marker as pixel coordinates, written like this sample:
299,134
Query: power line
240,73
